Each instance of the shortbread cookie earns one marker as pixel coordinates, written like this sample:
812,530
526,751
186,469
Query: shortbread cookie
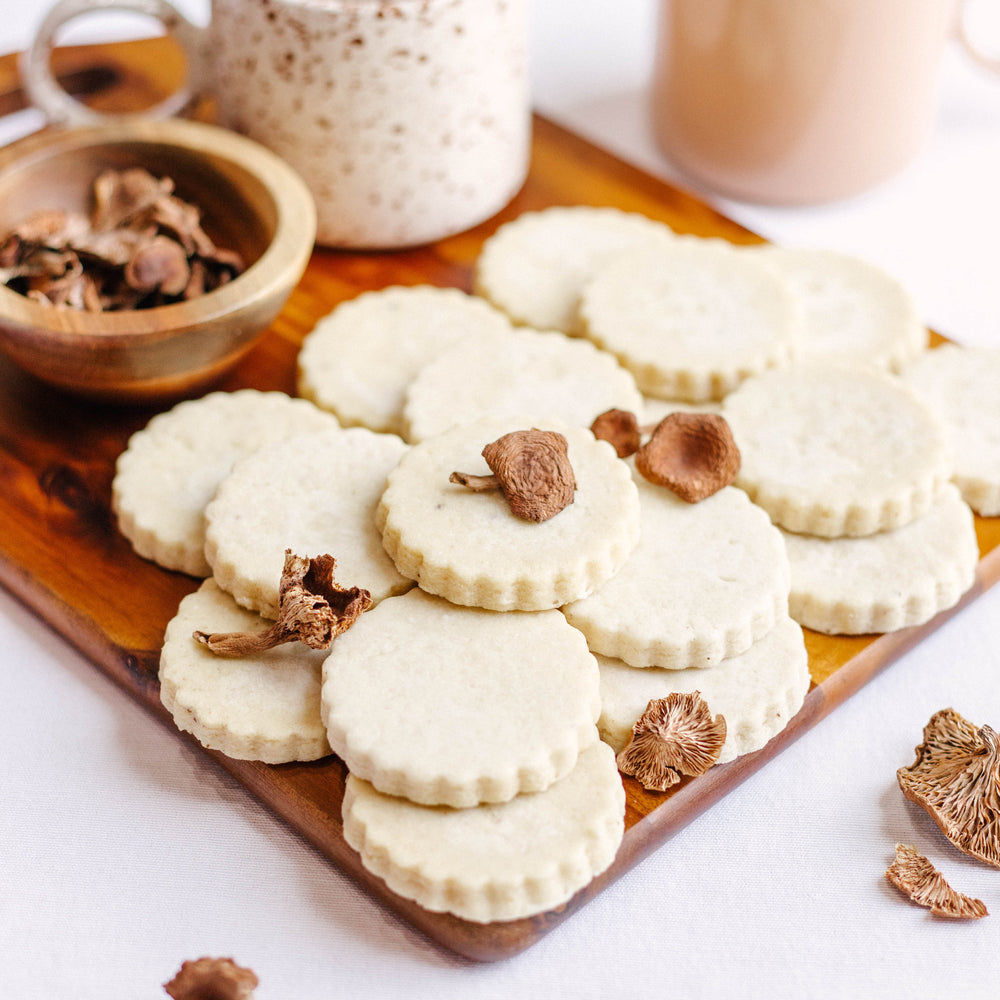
265,706
834,451
470,548
756,692
313,493
494,862
855,312
962,385
654,410
359,359
693,319
546,374
534,267
171,468
456,706
705,581
886,581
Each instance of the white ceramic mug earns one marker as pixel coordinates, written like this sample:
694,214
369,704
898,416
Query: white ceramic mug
799,101
409,120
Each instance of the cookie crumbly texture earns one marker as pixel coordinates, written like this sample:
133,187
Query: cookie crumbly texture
469,548
834,451
757,692
171,468
855,312
313,493
889,580
493,862
534,267
262,707
962,385
704,583
693,319
359,359
456,706
524,371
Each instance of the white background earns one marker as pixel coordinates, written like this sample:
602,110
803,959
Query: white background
122,852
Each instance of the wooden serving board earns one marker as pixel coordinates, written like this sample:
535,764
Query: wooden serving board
60,551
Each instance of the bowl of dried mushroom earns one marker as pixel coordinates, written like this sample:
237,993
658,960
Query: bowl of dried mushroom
141,259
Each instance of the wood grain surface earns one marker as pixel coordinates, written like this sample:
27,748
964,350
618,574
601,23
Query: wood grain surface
61,554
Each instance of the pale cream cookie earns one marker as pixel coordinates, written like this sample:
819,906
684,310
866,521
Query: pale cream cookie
493,862
170,469
886,581
358,360
469,547
525,371
834,451
693,319
456,706
265,706
962,385
534,267
757,692
313,493
704,583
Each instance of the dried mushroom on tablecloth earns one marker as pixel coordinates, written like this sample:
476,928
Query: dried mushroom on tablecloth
917,878
212,979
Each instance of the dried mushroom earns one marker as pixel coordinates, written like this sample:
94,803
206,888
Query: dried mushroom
533,471
312,609
917,878
956,778
692,454
212,979
620,428
675,736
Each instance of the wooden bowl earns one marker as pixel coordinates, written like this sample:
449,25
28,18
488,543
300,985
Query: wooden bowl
251,202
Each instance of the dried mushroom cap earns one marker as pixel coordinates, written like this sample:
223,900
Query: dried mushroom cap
676,735
693,454
312,609
159,265
956,778
212,979
917,878
620,428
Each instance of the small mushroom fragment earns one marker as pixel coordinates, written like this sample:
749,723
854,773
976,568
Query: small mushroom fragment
212,979
619,428
693,454
676,735
533,471
956,778
312,609
917,878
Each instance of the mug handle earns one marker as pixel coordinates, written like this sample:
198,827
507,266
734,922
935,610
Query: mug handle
964,35
60,108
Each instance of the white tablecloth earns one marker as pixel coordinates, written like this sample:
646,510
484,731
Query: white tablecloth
124,852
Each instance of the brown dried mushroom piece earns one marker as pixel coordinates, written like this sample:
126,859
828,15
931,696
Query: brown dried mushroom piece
533,471
312,609
917,878
212,979
693,454
675,736
620,428
956,778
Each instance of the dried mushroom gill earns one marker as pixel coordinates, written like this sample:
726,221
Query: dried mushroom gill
918,879
141,247
212,979
956,778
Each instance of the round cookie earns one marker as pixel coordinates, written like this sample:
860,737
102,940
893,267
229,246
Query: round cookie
534,267
834,451
693,319
756,692
170,469
455,706
261,707
705,582
886,581
493,862
524,371
358,360
315,494
962,385
469,548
